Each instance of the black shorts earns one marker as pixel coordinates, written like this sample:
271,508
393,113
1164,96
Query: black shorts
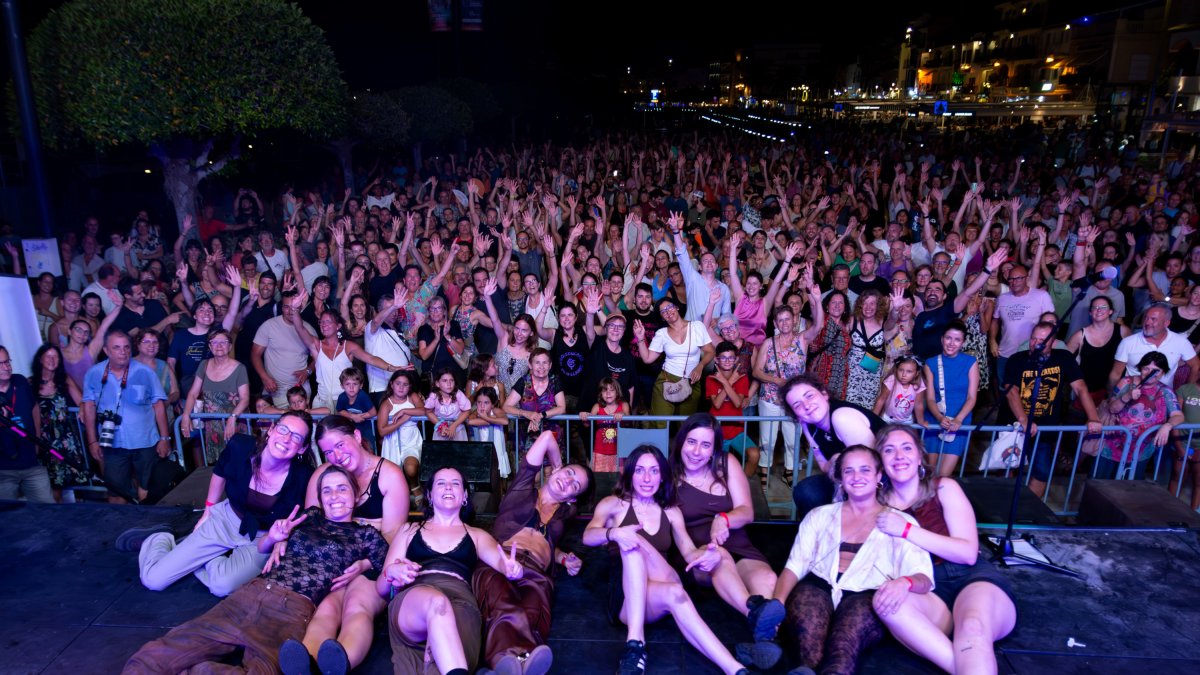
950,578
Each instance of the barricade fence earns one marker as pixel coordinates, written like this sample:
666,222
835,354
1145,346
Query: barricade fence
1065,445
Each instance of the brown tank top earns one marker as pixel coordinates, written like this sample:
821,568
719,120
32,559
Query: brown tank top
661,539
929,516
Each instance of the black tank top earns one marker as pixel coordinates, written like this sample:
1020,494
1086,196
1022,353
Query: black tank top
459,560
1096,362
660,540
372,506
828,441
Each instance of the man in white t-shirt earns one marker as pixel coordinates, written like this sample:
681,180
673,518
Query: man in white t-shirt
1154,337
269,257
1019,310
384,341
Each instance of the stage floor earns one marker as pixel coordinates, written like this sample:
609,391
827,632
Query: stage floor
70,603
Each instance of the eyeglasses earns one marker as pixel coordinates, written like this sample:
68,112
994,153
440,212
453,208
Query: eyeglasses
149,341
219,343
283,430
615,327
901,282
667,308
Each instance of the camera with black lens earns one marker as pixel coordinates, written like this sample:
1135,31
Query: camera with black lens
109,421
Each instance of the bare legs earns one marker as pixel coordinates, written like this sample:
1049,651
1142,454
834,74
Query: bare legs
982,615
412,473
1193,465
426,616
944,463
736,582
347,615
652,590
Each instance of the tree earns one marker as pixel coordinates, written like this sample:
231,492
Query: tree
186,78
436,114
377,119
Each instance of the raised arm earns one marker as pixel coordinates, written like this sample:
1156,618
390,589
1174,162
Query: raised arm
993,263
309,340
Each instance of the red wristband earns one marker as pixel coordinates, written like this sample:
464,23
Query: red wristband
910,582
726,517
904,534
208,504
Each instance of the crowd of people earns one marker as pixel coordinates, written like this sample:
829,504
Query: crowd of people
864,283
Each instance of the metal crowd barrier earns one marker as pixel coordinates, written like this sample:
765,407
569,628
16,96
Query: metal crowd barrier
1060,444
1189,445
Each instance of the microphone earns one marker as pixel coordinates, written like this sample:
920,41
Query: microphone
1106,273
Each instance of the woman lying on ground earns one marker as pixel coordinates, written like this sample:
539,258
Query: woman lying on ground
276,606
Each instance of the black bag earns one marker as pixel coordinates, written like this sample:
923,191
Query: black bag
164,477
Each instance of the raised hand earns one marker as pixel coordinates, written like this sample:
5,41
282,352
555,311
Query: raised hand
401,572
639,330
512,568
626,538
282,528
233,276
591,301
435,245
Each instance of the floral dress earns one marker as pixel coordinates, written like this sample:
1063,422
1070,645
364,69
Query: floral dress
863,386
785,364
59,429
832,365
218,396
535,402
463,317
976,345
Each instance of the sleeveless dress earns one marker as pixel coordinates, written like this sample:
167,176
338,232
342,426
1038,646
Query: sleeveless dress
951,378
404,442
59,430
604,446
752,319
660,541
831,364
329,374
863,387
463,318
784,363
447,412
76,370
510,369
976,344
1096,362
699,508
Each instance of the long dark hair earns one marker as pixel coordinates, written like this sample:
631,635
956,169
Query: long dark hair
720,459
60,373
465,512
305,454
665,495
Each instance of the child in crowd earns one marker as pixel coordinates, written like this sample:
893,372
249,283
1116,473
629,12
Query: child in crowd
400,429
901,399
604,443
354,403
481,373
447,407
728,390
489,424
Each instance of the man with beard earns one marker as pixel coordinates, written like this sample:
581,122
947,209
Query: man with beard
928,327
643,298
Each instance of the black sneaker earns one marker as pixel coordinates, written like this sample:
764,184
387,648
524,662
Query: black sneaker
508,664
294,658
332,659
761,655
634,660
131,540
764,617
538,661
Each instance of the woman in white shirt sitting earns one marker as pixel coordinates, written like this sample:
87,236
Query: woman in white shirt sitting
840,563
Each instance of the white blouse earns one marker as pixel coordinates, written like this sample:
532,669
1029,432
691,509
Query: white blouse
881,558
681,358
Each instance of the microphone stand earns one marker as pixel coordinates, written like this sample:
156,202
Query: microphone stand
1004,549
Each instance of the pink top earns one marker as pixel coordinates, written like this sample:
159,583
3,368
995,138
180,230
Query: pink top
902,399
752,319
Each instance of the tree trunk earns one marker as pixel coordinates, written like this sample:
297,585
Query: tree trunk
181,184
344,149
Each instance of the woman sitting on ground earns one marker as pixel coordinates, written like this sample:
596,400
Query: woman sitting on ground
981,598
841,564
274,608
262,482
640,522
431,563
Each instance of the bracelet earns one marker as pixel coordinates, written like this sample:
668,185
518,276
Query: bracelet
987,271
904,534
208,504
726,517
608,534
910,583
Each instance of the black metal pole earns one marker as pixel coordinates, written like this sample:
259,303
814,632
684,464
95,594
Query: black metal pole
25,108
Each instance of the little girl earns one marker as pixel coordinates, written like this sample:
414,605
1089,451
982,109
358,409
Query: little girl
900,398
604,445
482,373
398,427
490,423
447,407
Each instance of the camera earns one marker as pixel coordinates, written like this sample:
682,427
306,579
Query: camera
108,428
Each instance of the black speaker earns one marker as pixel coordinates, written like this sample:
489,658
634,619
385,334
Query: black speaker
473,458
1133,503
991,497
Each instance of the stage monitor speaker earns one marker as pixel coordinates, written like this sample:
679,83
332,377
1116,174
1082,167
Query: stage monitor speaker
192,491
991,497
474,459
1133,503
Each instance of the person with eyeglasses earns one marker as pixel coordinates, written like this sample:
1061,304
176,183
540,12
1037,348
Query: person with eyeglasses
20,471
190,347
1019,310
221,385
262,481
688,349
608,357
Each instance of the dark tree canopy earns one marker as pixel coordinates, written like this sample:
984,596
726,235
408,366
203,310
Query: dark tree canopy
117,71
436,114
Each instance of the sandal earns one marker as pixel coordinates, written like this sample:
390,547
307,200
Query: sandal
787,478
